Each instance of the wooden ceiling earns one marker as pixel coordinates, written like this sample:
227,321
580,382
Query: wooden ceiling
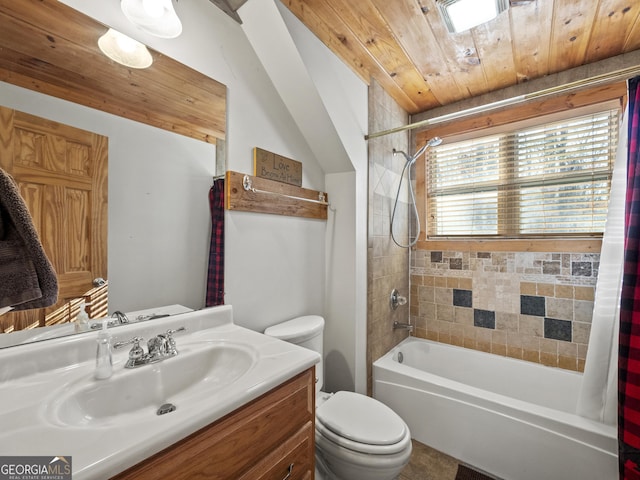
405,46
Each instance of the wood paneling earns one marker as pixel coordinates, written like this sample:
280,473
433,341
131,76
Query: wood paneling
52,48
405,46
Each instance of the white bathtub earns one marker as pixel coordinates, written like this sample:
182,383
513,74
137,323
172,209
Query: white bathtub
511,418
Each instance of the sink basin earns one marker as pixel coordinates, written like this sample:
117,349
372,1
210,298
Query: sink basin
199,368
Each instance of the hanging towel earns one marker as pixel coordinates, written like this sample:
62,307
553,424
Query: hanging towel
215,278
27,278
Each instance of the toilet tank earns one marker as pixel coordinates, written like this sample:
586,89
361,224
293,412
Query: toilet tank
303,331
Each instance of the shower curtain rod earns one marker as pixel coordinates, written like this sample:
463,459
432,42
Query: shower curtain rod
616,75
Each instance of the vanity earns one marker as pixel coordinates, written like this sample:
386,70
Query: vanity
233,404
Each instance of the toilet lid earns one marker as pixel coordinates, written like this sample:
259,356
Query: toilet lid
361,419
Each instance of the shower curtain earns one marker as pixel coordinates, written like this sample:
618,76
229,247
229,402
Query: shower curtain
629,340
599,389
215,277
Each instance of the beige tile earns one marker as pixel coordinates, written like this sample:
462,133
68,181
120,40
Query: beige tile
514,352
514,339
507,321
499,349
499,337
560,308
568,363
527,288
549,359
531,355
445,313
545,290
453,282
532,326
564,291
530,343
428,311
583,311
585,293
444,296
548,345
464,315
483,346
426,294
568,349
440,282
466,283
581,332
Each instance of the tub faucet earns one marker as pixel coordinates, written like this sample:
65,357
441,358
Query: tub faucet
404,326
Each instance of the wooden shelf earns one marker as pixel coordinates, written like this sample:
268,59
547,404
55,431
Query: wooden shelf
269,196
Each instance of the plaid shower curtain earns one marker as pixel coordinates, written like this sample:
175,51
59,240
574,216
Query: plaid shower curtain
215,277
629,347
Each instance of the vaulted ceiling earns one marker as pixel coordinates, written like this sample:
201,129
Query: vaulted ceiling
405,46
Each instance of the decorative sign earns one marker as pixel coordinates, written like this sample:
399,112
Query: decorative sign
276,167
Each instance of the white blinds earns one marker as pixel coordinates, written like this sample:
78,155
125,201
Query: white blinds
551,179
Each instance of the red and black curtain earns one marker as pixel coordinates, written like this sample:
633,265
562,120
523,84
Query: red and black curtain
215,277
629,345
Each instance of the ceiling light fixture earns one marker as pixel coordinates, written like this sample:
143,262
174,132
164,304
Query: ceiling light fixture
156,17
461,15
124,50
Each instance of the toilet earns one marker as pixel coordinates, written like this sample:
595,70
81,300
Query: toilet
357,437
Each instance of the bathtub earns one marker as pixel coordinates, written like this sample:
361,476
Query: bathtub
510,418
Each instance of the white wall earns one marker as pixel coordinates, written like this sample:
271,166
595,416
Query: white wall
345,99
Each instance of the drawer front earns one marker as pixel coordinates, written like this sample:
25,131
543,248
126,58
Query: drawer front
294,460
229,447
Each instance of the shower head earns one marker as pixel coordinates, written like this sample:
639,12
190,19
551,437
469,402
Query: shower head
434,142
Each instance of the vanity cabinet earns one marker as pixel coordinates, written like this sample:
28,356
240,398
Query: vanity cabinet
270,438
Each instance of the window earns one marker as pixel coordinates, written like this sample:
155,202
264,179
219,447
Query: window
550,179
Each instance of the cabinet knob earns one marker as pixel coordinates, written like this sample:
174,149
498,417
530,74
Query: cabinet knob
289,471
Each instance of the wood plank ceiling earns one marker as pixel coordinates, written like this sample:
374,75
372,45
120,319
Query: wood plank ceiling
405,46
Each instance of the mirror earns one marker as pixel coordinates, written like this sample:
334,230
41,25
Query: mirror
158,212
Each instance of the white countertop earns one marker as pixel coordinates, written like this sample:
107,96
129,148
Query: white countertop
34,377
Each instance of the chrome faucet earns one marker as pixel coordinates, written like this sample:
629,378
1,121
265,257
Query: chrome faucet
160,347
120,317
405,326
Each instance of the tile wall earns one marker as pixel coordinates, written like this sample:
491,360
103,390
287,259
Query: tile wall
388,265
531,306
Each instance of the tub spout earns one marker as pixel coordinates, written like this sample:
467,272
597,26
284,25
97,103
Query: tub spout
404,326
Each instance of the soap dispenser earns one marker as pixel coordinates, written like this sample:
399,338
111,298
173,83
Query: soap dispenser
104,362
82,320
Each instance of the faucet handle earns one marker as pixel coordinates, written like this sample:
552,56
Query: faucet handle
137,356
135,341
171,332
171,343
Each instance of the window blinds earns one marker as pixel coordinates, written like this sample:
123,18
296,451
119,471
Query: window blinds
551,180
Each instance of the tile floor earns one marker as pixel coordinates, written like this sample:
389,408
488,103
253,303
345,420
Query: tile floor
429,464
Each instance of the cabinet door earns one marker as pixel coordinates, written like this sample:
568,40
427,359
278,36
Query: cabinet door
293,460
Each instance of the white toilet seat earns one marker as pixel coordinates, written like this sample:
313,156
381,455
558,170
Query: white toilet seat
361,424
